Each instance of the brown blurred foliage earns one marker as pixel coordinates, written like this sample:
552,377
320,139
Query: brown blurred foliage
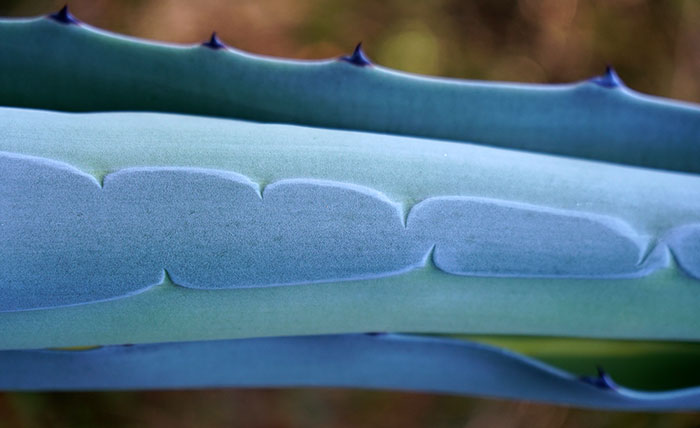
307,408
654,45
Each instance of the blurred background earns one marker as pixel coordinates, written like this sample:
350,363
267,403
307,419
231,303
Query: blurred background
318,408
654,45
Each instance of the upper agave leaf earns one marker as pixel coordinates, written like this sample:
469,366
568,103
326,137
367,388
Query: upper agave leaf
54,66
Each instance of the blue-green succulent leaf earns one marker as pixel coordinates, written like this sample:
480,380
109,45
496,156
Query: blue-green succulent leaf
113,200
54,66
384,361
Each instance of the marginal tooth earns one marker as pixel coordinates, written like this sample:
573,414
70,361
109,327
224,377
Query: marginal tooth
602,381
608,80
64,16
358,57
214,42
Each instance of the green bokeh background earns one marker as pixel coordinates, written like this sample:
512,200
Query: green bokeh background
654,45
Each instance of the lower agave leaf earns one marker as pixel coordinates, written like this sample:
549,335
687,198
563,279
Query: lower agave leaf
383,361
644,365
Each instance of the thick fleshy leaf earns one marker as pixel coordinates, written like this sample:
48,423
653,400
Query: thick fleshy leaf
361,361
519,252
54,66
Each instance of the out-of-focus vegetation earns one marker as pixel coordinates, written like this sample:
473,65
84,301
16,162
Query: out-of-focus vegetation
654,45
306,408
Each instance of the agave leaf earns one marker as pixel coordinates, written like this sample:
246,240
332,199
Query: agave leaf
360,361
54,164
646,365
54,66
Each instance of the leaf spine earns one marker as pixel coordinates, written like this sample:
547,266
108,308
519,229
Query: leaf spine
214,42
64,16
609,79
358,57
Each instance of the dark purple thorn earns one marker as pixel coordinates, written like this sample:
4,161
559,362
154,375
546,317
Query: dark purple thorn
357,58
603,381
608,80
64,16
214,42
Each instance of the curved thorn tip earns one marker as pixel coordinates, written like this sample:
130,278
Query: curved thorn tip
214,42
602,381
358,57
64,16
608,80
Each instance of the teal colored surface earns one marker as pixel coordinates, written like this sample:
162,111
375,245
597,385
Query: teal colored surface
661,307
214,229
685,242
53,66
383,361
406,170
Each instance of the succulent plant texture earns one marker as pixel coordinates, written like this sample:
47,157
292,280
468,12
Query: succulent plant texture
247,221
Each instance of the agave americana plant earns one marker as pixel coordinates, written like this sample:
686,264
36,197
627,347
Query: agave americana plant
197,216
